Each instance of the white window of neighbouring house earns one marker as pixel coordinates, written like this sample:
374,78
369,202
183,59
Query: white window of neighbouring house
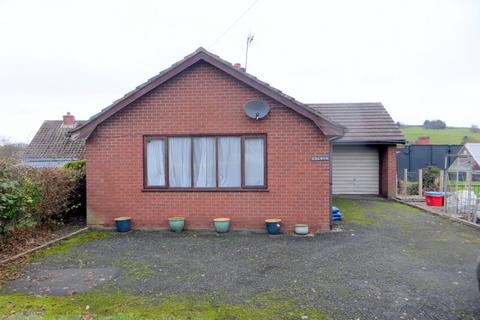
205,162
254,162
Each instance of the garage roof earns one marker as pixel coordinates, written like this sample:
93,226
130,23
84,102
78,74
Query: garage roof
364,122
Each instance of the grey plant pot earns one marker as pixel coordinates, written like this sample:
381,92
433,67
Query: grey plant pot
301,229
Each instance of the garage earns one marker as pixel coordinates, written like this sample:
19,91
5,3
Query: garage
355,170
364,160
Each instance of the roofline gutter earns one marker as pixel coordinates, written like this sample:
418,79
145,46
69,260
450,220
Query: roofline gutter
372,142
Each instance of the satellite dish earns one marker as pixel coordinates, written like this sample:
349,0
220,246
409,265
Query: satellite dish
256,109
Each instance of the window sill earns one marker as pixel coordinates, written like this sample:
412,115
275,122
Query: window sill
204,190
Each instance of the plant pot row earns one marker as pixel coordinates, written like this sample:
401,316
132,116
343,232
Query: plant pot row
222,225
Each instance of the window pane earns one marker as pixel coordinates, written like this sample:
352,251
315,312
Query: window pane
179,162
254,161
204,166
155,163
229,155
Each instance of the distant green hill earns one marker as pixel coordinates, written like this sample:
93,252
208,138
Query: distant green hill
440,136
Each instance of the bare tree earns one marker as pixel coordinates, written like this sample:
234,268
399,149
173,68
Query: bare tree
10,150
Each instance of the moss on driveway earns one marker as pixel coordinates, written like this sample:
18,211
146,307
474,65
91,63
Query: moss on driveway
103,305
68,244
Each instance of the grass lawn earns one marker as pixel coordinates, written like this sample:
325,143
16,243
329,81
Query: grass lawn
453,186
442,136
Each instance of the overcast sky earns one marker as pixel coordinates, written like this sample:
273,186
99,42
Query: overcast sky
420,58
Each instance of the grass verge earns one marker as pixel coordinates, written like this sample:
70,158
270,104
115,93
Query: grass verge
353,211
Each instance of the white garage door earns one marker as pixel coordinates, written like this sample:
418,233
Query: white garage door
355,170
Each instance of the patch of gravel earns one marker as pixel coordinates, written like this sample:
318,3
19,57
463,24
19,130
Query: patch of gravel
406,265
62,282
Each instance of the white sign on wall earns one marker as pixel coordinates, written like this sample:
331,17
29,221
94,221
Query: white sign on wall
321,158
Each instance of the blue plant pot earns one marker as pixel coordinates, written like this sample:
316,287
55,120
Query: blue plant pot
123,224
273,226
222,225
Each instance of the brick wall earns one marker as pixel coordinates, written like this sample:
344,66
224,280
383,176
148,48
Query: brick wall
388,171
204,100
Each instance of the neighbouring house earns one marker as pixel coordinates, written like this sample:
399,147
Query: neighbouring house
52,147
424,140
181,144
467,160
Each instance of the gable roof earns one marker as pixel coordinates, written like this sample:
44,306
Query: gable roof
365,122
52,142
328,127
474,150
467,159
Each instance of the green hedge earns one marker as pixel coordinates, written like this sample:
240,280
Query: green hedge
34,196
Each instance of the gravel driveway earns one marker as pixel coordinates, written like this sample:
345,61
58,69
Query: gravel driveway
389,261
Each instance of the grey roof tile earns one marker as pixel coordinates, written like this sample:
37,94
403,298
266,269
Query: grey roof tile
51,141
365,122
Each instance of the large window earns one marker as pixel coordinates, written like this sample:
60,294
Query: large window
205,162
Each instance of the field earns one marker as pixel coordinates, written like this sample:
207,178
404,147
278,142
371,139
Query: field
440,136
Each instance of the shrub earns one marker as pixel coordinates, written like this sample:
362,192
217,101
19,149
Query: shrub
55,186
78,164
33,196
431,181
468,139
412,188
78,196
18,199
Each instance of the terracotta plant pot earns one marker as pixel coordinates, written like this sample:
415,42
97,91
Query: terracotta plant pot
176,223
222,225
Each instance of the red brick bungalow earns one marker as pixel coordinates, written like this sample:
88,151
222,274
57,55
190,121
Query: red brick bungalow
181,144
